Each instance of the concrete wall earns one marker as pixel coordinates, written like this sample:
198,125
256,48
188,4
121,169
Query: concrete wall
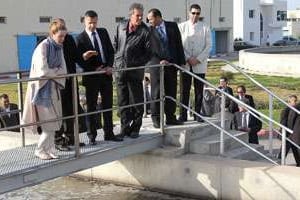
23,18
271,61
200,176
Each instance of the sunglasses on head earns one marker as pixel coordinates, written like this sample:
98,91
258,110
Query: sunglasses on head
195,13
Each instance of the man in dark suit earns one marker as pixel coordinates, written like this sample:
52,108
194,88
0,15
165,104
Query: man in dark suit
171,51
291,120
133,49
244,121
241,91
96,53
9,113
223,85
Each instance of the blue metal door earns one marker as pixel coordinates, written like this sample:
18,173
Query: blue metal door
213,41
26,45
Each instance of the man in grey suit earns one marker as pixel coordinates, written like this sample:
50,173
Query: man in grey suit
9,113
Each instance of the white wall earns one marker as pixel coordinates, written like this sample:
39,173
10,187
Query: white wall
23,18
252,24
238,22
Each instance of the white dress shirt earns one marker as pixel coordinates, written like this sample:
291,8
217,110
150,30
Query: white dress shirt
196,40
99,43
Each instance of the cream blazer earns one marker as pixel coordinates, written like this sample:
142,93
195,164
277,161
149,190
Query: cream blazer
196,40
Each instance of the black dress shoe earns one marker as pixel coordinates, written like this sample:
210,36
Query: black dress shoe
134,135
174,122
71,143
62,147
92,142
182,119
113,138
200,119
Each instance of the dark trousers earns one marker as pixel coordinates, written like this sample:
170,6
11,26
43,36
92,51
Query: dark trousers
104,86
67,110
170,86
130,92
186,82
294,150
253,138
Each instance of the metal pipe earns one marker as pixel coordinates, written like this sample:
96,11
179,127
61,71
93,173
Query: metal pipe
225,131
270,124
75,110
254,81
162,100
222,124
145,99
20,102
283,147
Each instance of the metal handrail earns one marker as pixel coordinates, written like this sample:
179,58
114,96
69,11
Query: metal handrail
223,130
249,108
271,96
162,97
255,82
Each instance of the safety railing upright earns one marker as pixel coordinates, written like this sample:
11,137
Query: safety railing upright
20,80
271,96
253,111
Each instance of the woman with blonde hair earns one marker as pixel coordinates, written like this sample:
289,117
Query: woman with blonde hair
42,101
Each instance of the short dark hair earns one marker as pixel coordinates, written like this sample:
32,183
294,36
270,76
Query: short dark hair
195,6
224,78
90,13
242,87
155,12
4,96
293,96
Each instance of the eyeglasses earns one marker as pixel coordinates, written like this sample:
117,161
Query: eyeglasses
240,92
195,13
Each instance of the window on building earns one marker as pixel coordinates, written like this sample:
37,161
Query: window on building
3,20
221,19
177,19
119,19
45,19
281,15
251,13
251,36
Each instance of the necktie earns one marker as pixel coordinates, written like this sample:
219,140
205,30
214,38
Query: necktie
244,120
162,34
96,46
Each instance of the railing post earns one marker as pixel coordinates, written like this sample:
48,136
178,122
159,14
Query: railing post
222,124
162,100
270,124
283,146
20,96
145,99
75,111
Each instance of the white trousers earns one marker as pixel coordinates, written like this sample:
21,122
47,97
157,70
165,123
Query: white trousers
46,142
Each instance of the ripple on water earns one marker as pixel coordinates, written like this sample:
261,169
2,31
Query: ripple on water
71,188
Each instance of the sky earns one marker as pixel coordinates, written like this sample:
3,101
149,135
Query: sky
293,4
